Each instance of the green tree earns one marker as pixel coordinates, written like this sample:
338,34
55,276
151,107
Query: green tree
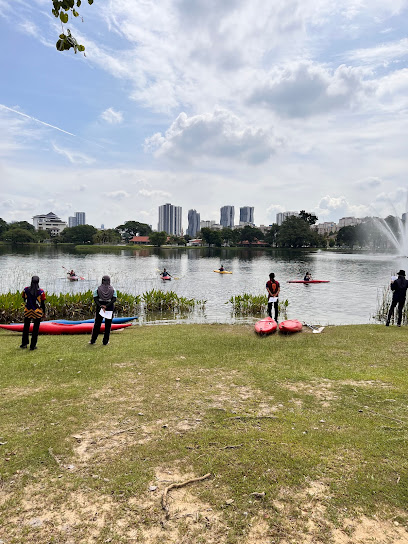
108,236
211,237
310,218
134,228
61,10
347,236
251,234
42,235
22,225
158,238
19,236
82,234
271,235
227,235
295,232
3,226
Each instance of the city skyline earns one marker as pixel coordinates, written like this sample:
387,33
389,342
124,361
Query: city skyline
283,106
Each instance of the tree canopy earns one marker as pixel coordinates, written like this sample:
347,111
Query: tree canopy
158,238
134,228
82,234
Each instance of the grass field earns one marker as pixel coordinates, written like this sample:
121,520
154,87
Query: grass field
302,439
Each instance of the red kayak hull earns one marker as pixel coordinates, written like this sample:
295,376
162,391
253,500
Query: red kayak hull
310,281
265,326
166,277
290,325
47,327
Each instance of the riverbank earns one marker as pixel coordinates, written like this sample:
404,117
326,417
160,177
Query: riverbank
304,437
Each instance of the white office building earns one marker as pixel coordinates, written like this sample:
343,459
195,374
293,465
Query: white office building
282,216
170,219
193,223
50,222
227,215
349,222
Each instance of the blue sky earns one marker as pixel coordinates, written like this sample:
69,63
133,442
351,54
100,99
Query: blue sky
277,105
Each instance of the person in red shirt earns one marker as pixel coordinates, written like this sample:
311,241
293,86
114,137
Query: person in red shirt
273,288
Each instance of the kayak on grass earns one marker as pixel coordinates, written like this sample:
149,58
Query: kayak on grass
309,281
265,326
47,327
290,325
223,271
68,322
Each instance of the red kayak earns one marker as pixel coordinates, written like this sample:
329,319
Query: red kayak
291,325
266,326
309,281
166,277
47,327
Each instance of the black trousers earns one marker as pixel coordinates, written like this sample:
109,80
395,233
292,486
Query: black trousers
34,334
97,327
276,308
400,308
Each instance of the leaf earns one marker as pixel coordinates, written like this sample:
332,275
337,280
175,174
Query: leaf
81,48
79,3
75,13
90,2
64,17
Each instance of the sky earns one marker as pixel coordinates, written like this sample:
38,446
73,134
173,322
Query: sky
280,104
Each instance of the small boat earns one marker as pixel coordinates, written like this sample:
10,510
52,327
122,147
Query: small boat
290,325
72,278
265,326
68,322
309,281
166,278
46,327
223,271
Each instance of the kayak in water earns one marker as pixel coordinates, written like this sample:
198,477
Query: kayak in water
223,271
309,281
165,277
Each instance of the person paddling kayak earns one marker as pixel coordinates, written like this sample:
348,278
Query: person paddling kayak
165,273
308,276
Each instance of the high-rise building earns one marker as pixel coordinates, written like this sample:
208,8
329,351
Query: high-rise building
170,219
72,221
193,223
80,218
227,216
282,216
246,214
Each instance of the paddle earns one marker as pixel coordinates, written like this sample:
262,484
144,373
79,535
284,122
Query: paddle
80,277
315,330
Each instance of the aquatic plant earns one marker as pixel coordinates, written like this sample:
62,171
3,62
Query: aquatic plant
247,304
383,305
64,306
159,301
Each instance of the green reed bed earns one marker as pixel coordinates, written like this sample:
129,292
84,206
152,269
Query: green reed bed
246,304
64,306
159,301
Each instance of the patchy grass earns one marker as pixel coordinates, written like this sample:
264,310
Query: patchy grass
304,437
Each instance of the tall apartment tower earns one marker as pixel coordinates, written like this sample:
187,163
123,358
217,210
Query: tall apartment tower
193,223
72,222
170,219
227,216
80,218
282,216
246,214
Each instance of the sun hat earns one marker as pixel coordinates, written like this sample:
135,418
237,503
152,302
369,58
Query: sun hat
401,273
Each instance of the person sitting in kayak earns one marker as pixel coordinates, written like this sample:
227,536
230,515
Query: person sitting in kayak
307,277
164,273
221,269
71,273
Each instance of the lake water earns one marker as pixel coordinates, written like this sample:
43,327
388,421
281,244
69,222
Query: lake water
356,283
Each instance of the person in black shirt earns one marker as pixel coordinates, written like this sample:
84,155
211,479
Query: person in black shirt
399,288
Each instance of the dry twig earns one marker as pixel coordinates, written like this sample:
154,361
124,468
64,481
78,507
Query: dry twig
177,486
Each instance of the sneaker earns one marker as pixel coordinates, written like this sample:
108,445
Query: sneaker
90,342
32,349
387,324
399,325
105,343
23,346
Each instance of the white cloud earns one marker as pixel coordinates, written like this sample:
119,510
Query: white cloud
154,193
333,208
75,157
117,195
212,135
368,184
111,116
305,88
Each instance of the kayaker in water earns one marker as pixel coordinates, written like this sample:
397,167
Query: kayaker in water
164,273
307,277
273,288
399,288
34,309
105,298
72,273
221,269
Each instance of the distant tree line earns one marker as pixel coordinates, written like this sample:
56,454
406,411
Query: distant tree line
295,232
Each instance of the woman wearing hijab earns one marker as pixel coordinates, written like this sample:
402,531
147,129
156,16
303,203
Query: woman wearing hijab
104,297
34,309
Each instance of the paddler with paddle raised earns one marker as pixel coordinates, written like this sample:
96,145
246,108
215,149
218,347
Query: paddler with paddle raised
273,288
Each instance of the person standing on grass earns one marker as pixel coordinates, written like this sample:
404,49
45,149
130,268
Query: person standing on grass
105,298
273,288
399,288
34,309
